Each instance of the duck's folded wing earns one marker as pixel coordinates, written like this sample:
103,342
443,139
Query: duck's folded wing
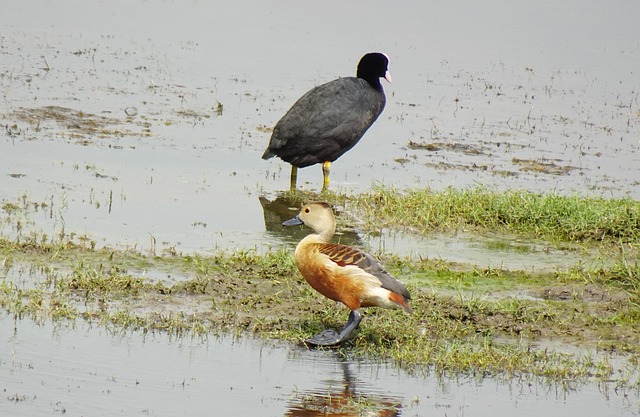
344,255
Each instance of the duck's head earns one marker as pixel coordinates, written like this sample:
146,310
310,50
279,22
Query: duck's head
318,216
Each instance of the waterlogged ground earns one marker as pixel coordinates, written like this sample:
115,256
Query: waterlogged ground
139,124
49,370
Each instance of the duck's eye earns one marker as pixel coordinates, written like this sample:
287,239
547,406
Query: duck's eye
307,210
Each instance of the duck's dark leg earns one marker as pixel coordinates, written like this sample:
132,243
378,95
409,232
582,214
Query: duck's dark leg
329,337
326,168
294,177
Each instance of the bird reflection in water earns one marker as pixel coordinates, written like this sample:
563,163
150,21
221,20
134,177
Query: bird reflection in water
282,208
342,399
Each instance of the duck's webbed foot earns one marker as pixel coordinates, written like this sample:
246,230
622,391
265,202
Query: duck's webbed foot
330,337
327,337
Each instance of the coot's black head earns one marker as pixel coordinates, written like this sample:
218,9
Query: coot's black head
372,67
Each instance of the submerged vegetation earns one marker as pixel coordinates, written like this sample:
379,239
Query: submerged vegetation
573,324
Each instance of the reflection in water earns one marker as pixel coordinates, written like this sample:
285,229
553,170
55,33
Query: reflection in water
342,400
504,251
283,208
49,368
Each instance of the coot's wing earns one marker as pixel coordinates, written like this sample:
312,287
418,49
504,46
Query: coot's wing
326,122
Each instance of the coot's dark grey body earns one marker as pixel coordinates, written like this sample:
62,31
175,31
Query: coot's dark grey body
330,119
326,122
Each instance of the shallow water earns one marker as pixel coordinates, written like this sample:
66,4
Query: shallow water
46,370
540,96
141,124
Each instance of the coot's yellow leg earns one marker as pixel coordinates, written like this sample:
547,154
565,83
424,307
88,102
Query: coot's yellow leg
326,167
294,177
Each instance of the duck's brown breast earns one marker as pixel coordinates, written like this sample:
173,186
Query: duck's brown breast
329,278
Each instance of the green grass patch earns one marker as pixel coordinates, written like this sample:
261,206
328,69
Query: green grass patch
570,218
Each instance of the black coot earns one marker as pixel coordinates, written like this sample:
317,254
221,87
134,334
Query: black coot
330,119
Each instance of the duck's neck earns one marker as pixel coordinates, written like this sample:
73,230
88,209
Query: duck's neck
322,237
326,235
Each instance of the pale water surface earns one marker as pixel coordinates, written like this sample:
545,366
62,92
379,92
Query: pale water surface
541,96
46,370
